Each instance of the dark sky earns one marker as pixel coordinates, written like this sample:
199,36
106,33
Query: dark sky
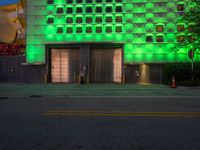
7,2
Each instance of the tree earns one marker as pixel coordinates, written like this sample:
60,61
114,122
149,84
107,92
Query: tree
191,20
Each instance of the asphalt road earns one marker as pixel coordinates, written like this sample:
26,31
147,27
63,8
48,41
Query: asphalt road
95,123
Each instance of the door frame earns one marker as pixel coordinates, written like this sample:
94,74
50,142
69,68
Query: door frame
50,46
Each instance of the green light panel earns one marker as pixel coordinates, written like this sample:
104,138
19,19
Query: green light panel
136,23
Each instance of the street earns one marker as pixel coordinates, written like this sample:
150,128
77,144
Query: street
100,123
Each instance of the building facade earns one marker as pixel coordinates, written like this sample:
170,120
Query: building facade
105,40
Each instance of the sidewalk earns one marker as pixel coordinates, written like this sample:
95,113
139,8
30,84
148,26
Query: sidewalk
72,90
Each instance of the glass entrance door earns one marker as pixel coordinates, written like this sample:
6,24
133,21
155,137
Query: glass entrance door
106,65
64,65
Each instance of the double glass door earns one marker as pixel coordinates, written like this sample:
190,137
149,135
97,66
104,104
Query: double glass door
64,65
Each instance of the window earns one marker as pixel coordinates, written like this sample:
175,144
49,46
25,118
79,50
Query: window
98,1
159,28
159,38
118,9
79,1
88,9
88,29
118,0
50,1
79,20
118,29
180,28
50,20
69,10
180,7
149,38
180,38
108,0
191,38
59,30
118,19
69,30
79,10
59,10
98,19
108,18
69,1
191,28
108,29
78,29
69,20
88,1
98,9
98,29
88,19
108,9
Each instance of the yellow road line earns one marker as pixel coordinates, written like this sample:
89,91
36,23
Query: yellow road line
120,113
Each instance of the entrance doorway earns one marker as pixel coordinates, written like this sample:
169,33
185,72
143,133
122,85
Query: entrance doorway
106,65
64,65
101,63
143,73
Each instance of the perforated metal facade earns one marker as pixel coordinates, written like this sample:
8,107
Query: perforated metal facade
146,28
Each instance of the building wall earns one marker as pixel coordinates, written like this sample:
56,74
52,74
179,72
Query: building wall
46,23
13,70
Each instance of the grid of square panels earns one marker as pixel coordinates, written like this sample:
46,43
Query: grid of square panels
147,27
86,16
151,30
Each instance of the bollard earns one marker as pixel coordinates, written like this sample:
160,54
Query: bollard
45,78
88,79
123,78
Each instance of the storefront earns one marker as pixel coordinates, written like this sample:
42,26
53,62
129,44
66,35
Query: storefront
100,63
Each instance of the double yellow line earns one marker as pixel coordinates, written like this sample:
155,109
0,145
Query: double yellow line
120,113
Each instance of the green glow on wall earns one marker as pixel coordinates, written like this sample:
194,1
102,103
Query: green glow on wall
60,2
139,19
139,57
50,29
30,57
129,27
79,38
149,7
88,37
129,38
170,37
128,48
171,57
182,57
170,27
149,48
149,17
99,38
59,38
128,7
118,38
159,57
128,58
109,37
69,38
50,37
50,9
129,17
149,57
